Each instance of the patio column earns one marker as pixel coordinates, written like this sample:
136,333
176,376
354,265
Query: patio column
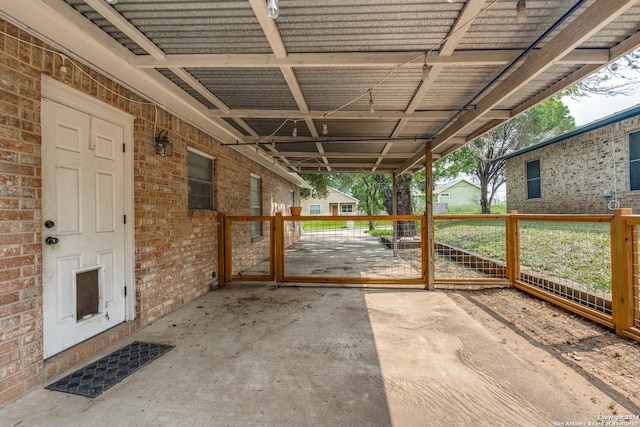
394,211
428,214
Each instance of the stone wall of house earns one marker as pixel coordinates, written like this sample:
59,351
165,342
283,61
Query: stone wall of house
176,250
576,172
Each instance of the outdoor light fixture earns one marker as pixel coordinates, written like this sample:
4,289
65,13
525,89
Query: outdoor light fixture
163,146
272,9
294,132
325,128
112,1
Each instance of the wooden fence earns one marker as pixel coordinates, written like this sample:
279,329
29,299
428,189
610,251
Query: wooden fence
576,250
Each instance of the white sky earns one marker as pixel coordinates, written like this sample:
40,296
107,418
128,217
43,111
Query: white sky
588,109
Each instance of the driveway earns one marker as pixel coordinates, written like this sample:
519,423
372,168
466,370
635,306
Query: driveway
258,355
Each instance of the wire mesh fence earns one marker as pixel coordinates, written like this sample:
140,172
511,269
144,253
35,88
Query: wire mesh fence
331,249
568,259
251,248
470,248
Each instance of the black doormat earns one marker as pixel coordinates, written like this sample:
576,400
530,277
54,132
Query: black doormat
94,379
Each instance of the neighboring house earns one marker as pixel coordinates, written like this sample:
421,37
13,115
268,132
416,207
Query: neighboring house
336,203
460,194
589,170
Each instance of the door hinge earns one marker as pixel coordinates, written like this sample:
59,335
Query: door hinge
124,148
125,219
125,291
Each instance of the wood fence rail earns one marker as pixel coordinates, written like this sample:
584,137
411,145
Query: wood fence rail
624,307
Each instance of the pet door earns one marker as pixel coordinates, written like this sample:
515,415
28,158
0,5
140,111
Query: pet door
88,285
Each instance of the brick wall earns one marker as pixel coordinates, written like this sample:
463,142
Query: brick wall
575,172
175,249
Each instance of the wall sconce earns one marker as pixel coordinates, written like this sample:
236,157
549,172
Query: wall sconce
163,146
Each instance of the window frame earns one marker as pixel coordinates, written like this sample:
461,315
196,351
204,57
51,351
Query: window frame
311,212
633,161
255,210
445,195
533,180
342,208
191,179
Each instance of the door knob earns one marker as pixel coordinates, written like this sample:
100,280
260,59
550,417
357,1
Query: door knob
48,223
51,240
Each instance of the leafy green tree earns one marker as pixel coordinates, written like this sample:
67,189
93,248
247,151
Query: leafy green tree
404,202
479,158
320,183
366,189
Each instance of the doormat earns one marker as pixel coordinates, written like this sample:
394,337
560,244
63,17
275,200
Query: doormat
94,379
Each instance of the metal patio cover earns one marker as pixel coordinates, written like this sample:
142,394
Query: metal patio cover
229,69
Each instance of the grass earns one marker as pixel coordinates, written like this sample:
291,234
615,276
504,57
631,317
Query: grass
495,209
332,225
576,251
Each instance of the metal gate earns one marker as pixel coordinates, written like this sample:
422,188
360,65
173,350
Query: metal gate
326,249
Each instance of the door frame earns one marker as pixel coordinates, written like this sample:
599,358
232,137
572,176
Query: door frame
60,93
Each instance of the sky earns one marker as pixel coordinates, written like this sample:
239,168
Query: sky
588,109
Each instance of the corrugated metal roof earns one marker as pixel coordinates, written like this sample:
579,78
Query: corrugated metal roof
318,57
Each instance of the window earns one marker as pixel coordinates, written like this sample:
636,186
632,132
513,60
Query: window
256,205
634,161
314,209
347,208
200,181
292,201
443,195
533,180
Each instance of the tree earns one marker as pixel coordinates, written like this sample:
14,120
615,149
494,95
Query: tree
479,158
366,189
621,77
319,182
404,203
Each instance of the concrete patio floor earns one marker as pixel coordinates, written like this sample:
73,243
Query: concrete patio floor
258,355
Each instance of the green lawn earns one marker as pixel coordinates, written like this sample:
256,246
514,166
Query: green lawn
330,225
576,251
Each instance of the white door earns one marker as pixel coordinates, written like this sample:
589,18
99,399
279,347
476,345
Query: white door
83,226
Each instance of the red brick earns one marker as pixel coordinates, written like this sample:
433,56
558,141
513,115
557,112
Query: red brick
12,250
9,298
11,392
11,262
6,203
8,276
8,239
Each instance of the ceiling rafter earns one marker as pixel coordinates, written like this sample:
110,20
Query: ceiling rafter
471,9
481,57
349,155
274,39
111,15
421,115
589,22
383,154
331,140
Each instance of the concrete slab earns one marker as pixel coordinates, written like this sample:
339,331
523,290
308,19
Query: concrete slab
325,356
